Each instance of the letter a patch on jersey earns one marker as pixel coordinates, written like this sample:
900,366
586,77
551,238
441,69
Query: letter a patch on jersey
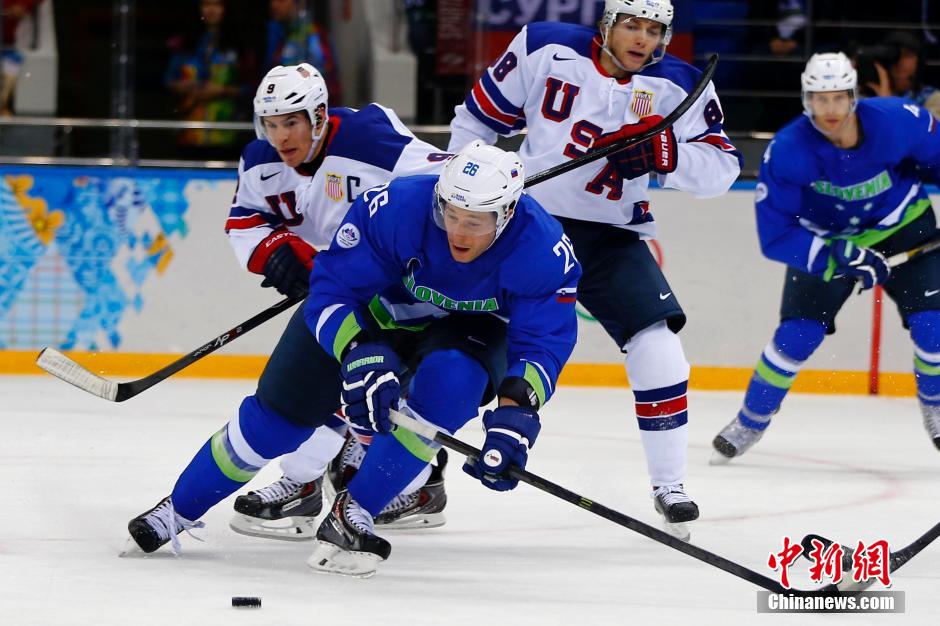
334,187
642,103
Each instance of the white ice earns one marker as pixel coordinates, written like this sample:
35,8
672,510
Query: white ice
76,468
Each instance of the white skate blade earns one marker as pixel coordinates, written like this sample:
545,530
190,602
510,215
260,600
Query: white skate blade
286,529
415,522
679,530
130,548
328,558
718,458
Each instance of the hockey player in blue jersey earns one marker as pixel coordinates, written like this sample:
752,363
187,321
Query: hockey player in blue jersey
577,88
296,181
456,288
840,190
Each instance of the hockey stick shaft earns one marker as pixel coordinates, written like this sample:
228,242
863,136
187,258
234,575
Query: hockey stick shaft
667,121
429,432
63,367
903,257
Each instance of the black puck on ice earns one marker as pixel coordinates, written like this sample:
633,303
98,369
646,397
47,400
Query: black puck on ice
242,601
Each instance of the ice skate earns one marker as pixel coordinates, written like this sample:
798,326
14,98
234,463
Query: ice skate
932,422
422,508
286,510
677,509
346,541
154,528
734,440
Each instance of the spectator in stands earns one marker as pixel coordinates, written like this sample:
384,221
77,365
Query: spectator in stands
10,58
893,69
211,74
296,35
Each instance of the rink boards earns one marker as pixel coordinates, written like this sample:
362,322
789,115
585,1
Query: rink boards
127,267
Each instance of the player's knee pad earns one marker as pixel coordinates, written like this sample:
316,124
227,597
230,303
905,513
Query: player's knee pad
925,331
447,389
257,435
655,359
798,338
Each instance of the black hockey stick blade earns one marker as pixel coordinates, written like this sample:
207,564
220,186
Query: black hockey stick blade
896,559
735,569
65,368
667,121
921,250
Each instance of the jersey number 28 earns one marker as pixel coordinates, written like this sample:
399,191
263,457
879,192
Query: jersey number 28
565,249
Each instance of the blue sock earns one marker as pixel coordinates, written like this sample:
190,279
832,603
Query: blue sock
925,331
446,391
793,343
233,456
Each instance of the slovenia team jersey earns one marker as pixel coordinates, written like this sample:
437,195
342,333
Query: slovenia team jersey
389,255
811,191
551,81
364,148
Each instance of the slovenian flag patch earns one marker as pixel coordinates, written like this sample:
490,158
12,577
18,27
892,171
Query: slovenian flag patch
567,295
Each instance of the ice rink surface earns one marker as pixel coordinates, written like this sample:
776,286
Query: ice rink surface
76,468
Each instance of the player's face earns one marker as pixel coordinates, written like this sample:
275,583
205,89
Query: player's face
282,9
469,233
633,40
212,11
831,109
291,134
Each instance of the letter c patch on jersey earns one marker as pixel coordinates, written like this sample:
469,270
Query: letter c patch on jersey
348,236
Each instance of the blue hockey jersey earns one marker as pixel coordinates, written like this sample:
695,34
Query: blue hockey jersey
391,258
811,191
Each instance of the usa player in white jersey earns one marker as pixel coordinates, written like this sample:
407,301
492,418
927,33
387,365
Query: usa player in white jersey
295,184
576,89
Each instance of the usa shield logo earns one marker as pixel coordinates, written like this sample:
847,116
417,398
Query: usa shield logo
334,187
642,103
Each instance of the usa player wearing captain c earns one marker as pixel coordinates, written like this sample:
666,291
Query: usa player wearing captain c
578,88
296,181
840,188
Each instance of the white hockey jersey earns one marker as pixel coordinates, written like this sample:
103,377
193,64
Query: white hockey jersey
551,81
364,148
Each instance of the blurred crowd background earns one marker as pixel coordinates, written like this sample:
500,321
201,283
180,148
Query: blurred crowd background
143,82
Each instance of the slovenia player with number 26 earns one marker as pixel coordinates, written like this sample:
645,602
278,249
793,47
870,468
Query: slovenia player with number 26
839,190
578,88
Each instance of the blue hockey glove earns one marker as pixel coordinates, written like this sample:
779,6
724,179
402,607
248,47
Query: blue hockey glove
370,386
657,154
865,264
510,432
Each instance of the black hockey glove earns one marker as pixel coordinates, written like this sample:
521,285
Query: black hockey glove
286,273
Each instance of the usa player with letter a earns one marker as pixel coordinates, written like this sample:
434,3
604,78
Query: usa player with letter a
840,189
295,183
577,89
476,289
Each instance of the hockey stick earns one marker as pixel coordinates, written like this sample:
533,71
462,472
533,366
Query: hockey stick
667,121
903,257
429,432
63,367
895,560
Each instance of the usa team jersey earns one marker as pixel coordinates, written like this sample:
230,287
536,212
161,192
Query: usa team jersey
551,81
364,148
390,245
810,191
